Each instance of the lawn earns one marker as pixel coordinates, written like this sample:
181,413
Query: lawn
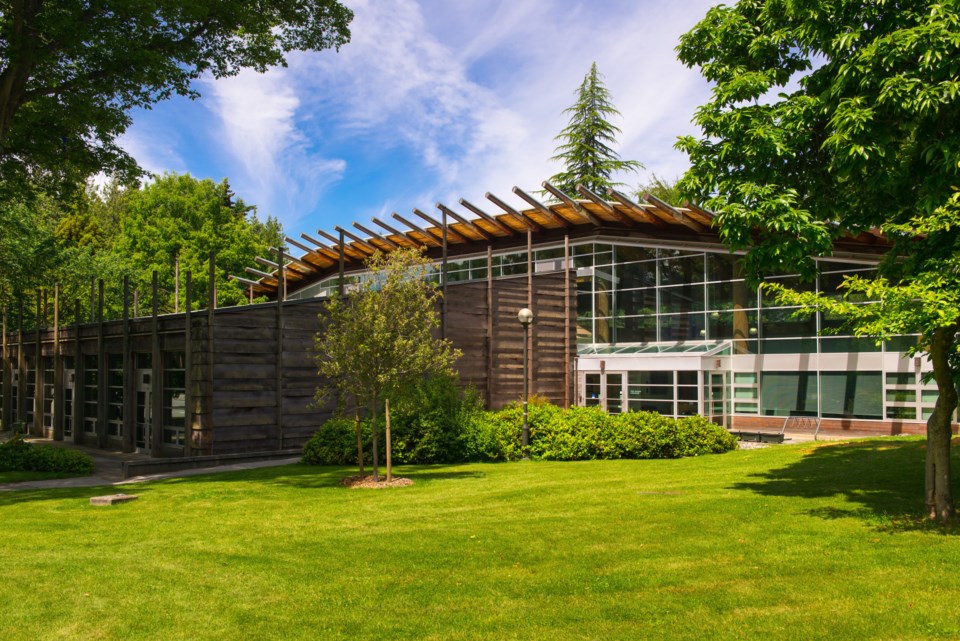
795,542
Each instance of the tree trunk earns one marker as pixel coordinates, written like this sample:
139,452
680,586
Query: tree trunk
359,430
386,413
373,430
937,495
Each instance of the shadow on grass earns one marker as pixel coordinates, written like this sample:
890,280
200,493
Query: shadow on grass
882,478
309,476
291,476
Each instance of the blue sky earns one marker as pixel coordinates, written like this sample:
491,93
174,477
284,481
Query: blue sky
431,101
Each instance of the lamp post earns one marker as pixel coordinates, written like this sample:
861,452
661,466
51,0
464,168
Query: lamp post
525,316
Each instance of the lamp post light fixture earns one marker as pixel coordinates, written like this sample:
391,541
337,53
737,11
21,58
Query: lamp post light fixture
525,316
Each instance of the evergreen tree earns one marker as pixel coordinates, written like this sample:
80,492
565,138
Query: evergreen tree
586,144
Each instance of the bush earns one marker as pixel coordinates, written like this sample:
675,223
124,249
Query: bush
16,455
335,443
443,424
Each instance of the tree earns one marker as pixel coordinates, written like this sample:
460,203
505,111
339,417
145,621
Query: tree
661,188
864,134
181,217
380,340
71,70
586,144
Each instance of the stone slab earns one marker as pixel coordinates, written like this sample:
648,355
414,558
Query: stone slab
113,499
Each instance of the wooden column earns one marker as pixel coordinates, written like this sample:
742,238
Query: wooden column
566,320
340,277
489,324
57,414
129,373
443,275
188,445
21,369
101,372
93,299
156,374
5,394
37,428
531,335
211,333
77,378
278,367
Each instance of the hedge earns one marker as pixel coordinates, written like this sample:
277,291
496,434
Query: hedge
16,455
461,432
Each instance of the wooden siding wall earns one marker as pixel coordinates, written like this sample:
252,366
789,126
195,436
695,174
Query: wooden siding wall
501,381
239,401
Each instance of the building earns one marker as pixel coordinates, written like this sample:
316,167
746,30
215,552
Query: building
638,306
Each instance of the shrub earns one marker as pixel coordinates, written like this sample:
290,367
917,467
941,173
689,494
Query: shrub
335,443
442,424
16,455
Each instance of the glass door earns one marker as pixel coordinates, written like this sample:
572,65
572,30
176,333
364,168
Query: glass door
143,416
715,397
604,390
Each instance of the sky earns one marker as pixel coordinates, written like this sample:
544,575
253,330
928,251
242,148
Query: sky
431,101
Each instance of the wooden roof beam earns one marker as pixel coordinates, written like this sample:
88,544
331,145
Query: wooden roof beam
346,247
257,272
328,252
528,222
451,233
607,207
308,250
487,217
466,223
636,208
679,216
251,283
360,241
434,238
430,240
700,211
270,263
570,202
296,261
551,215
386,241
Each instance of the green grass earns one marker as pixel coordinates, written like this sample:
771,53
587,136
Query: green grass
796,542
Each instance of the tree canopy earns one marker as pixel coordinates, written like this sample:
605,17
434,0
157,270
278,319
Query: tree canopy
586,144
71,70
829,118
379,339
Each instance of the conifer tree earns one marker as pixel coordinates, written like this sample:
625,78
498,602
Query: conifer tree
586,144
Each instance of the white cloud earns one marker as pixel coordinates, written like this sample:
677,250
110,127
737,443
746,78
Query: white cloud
272,163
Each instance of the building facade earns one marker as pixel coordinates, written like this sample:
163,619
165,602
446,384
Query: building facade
637,307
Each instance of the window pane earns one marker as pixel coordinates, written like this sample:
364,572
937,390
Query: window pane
681,298
785,393
634,275
852,394
682,269
650,378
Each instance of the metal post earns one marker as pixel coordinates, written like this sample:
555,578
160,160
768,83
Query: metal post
525,316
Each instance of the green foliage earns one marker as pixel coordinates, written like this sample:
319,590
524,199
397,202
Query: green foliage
829,118
335,443
378,343
16,455
586,143
665,190
73,70
471,434
177,215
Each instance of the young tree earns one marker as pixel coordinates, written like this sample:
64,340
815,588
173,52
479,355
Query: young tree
380,339
661,188
586,144
866,135
71,70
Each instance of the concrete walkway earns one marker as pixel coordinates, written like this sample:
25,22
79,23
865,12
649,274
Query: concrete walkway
107,470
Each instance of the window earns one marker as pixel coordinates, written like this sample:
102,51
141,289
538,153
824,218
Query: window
852,395
789,393
174,398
